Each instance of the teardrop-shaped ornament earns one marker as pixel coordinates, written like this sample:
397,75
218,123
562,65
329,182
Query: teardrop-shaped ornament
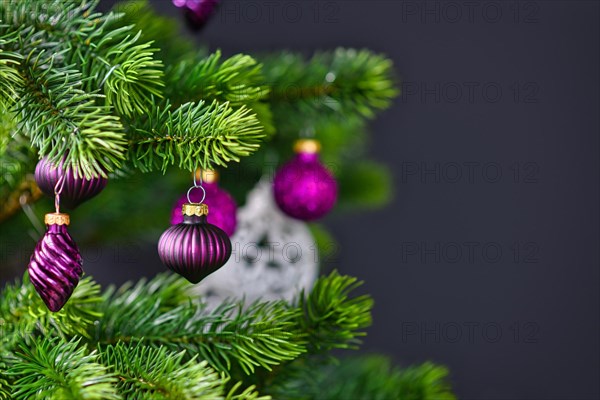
56,264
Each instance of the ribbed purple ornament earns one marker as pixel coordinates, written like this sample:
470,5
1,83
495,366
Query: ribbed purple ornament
75,190
223,208
194,248
304,189
55,267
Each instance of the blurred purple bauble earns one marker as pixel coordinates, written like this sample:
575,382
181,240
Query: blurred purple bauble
55,266
222,207
194,248
303,188
197,12
75,190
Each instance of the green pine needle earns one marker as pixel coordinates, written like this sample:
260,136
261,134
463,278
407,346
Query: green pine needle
330,317
237,80
362,378
156,373
23,314
53,369
194,135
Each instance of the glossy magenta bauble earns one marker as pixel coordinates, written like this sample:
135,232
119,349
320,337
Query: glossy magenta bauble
303,188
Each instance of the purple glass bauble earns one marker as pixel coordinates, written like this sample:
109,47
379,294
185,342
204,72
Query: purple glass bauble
304,189
194,248
223,208
75,190
197,12
55,266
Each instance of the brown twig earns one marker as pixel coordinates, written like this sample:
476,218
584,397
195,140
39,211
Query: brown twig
27,191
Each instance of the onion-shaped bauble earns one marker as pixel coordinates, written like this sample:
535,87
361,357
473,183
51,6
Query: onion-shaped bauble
75,190
303,188
55,266
194,248
223,210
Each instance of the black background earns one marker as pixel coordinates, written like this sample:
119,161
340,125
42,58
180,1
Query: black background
487,260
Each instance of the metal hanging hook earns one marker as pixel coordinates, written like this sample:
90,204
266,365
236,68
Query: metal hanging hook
198,174
196,186
57,191
190,191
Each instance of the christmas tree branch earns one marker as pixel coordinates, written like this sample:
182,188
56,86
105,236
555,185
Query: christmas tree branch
64,122
54,369
147,373
112,58
148,339
194,135
366,377
10,80
124,69
237,80
24,315
330,318
345,81
228,336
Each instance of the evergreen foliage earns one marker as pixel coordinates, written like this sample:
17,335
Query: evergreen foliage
151,340
123,94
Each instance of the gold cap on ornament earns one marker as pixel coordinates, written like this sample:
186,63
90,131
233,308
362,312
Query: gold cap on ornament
194,209
207,175
310,146
57,219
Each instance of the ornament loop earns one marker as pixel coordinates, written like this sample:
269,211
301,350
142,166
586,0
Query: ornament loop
57,191
190,191
196,174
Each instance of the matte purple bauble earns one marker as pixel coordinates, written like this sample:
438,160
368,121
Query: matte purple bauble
303,188
194,248
223,208
75,190
197,12
55,265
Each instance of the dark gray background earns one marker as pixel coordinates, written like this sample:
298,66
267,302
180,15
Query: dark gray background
487,260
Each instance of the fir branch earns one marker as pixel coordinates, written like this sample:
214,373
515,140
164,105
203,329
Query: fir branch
10,80
23,313
346,81
248,393
332,319
53,369
149,373
5,391
194,135
362,378
133,77
111,58
122,67
259,336
64,122
237,80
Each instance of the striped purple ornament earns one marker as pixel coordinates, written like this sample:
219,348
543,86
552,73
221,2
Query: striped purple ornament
75,190
55,265
194,248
